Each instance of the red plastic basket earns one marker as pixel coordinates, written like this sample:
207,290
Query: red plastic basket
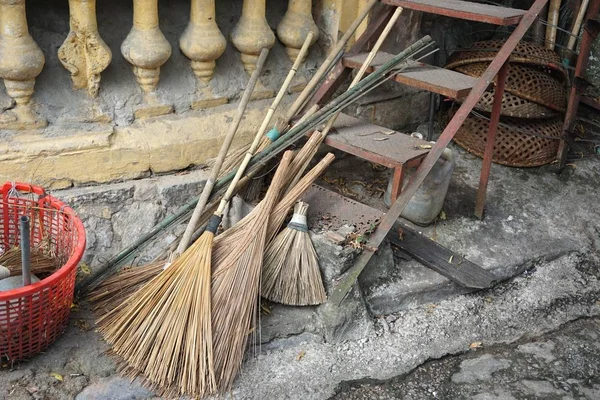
33,317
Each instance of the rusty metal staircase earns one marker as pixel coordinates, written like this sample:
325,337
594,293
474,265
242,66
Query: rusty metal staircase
438,80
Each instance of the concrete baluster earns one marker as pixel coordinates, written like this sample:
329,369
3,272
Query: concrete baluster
295,26
147,49
21,61
83,53
203,43
251,34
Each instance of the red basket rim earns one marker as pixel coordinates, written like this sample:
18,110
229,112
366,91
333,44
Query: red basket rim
73,260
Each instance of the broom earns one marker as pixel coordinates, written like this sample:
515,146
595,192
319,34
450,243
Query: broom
296,132
115,288
112,290
291,273
164,330
236,283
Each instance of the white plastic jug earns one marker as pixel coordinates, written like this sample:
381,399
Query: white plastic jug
427,203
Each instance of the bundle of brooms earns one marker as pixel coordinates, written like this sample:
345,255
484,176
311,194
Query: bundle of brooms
165,330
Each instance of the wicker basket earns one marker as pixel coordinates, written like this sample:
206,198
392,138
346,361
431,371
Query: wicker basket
513,106
528,83
519,142
525,53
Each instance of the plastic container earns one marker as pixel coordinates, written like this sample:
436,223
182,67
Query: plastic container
33,316
428,201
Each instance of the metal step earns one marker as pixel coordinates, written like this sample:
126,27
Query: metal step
464,10
371,142
419,75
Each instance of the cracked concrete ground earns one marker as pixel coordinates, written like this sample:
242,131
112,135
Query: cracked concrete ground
561,365
551,242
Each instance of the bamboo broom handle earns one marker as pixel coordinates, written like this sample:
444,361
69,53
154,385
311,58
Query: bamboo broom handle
553,11
359,75
577,25
281,93
242,168
324,68
208,186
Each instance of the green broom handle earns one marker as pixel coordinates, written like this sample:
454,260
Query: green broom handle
210,182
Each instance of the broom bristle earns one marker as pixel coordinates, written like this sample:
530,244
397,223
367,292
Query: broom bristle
291,273
163,331
115,289
236,283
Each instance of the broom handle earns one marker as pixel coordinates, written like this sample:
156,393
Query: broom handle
359,75
553,10
325,67
577,25
208,186
263,128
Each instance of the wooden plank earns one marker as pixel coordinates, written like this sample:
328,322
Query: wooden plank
464,10
423,76
440,259
374,143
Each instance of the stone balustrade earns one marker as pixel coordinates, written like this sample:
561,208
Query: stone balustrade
85,55
131,89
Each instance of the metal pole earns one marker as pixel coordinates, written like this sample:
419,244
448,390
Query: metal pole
25,250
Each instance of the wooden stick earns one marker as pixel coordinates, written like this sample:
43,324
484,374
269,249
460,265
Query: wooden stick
208,186
359,75
325,67
242,168
553,12
577,24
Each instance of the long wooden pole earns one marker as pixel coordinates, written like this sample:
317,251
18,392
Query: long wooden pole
325,67
210,182
553,12
577,24
242,168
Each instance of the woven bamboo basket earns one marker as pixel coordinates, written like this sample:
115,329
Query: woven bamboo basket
528,83
525,53
514,106
519,142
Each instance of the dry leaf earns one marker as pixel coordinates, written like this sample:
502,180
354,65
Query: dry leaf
388,132
57,376
380,139
300,355
82,324
451,258
85,269
443,215
423,147
476,345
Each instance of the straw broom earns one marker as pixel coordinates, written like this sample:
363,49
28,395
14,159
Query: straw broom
112,290
291,273
102,296
236,284
164,330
